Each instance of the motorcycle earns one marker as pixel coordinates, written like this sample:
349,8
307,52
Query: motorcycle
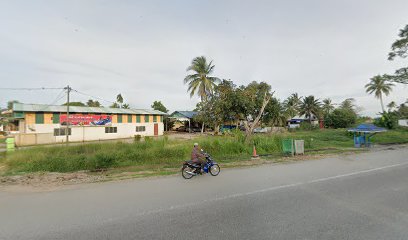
191,169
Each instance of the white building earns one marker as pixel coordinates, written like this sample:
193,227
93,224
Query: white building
45,124
403,122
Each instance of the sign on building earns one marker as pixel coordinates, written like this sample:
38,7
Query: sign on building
86,120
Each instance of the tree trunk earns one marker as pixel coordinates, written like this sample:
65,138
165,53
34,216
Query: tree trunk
382,104
216,128
202,128
249,128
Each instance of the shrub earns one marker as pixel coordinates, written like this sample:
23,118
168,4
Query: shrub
388,120
308,126
340,118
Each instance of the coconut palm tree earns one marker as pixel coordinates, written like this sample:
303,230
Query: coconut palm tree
310,107
292,104
327,106
379,86
200,81
119,99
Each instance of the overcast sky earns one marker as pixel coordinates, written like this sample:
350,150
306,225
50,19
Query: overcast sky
142,48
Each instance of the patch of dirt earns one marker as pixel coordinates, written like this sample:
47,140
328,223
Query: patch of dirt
47,181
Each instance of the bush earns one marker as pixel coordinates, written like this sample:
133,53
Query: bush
340,118
137,138
308,126
388,120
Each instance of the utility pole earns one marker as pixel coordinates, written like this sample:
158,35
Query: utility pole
68,88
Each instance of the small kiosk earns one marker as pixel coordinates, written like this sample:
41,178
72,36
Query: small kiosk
363,133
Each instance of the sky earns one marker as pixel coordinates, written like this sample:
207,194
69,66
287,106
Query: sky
141,49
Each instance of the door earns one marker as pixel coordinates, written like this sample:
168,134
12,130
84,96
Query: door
156,129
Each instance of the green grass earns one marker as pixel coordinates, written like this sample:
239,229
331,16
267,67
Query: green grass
162,154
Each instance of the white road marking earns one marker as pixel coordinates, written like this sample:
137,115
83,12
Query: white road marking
194,204
269,189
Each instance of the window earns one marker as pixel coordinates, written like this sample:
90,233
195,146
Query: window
138,118
39,118
147,118
119,118
61,131
55,118
154,118
161,118
111,129
129,118
140,128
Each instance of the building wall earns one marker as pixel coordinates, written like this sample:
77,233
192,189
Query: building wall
92,133
403,122
28,127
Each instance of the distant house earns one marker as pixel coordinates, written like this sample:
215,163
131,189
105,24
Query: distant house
297,120
183,119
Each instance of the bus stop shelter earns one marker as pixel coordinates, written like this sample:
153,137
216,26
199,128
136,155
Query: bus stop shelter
363,133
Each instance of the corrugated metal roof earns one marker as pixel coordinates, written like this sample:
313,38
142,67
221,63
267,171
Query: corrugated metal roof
187,114
22,107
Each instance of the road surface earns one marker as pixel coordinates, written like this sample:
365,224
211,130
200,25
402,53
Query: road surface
361,196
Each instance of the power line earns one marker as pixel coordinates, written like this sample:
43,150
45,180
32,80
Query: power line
57,98
85,94
30,89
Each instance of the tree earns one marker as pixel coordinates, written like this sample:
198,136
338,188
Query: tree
158,105
379,86
399,49
392,105
327,106
92,103
119,99
200,81
348,104
114,105
119,103
340,118
77,104
310,107
292,104
275,113
251,101
11,103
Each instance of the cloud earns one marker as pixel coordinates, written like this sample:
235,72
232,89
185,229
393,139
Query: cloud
141,49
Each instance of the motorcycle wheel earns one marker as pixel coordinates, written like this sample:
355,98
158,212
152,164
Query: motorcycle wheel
215,170
184,172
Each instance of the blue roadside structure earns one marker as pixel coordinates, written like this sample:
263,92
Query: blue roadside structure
363,133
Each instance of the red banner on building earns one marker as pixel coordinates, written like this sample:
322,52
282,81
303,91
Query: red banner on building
85,119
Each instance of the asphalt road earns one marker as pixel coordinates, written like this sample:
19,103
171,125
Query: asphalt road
350,197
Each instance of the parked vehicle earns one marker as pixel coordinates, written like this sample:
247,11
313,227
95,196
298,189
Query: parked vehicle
191,169
262,130
182,129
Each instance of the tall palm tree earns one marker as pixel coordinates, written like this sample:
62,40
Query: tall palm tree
292,104
327,106
310,107
379,86
200,81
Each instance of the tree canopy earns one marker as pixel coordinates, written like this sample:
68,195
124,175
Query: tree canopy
399,49
158,105
200,82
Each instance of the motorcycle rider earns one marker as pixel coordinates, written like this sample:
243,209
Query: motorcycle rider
197,157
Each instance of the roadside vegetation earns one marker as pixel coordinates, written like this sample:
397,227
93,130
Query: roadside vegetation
164,156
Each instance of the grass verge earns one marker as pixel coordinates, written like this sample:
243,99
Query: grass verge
163,156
